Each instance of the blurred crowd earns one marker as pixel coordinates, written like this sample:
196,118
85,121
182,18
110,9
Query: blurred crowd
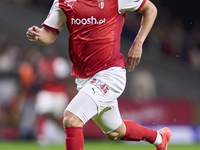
26,72
172,37
28,77
43,3
169,36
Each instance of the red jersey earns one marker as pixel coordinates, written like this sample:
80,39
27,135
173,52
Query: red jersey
95,28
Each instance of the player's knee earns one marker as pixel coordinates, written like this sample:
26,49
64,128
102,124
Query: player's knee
118,133
113,135
70,120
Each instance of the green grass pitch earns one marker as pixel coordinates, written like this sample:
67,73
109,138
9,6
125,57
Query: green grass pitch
90,145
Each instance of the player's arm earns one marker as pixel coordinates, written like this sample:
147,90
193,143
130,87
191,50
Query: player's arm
149,13
43,36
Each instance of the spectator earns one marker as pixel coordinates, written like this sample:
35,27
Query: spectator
53,71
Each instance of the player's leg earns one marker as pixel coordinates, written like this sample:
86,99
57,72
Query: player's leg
73,130
135,132
110,122
115,128
77,113
91,100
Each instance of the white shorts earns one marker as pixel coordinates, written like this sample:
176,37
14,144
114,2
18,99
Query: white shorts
97,98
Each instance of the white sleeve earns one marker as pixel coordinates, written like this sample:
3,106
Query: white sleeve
130,5
56,18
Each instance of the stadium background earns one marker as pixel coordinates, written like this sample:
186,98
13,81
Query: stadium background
166,83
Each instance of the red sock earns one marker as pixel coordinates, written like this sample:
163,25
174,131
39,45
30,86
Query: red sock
74,138
135,132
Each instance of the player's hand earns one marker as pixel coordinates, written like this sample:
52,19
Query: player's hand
134,56
33,33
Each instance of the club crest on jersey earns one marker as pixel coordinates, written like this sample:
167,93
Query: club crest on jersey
101,4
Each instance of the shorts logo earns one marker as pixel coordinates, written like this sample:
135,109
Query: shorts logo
100,85
101,4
